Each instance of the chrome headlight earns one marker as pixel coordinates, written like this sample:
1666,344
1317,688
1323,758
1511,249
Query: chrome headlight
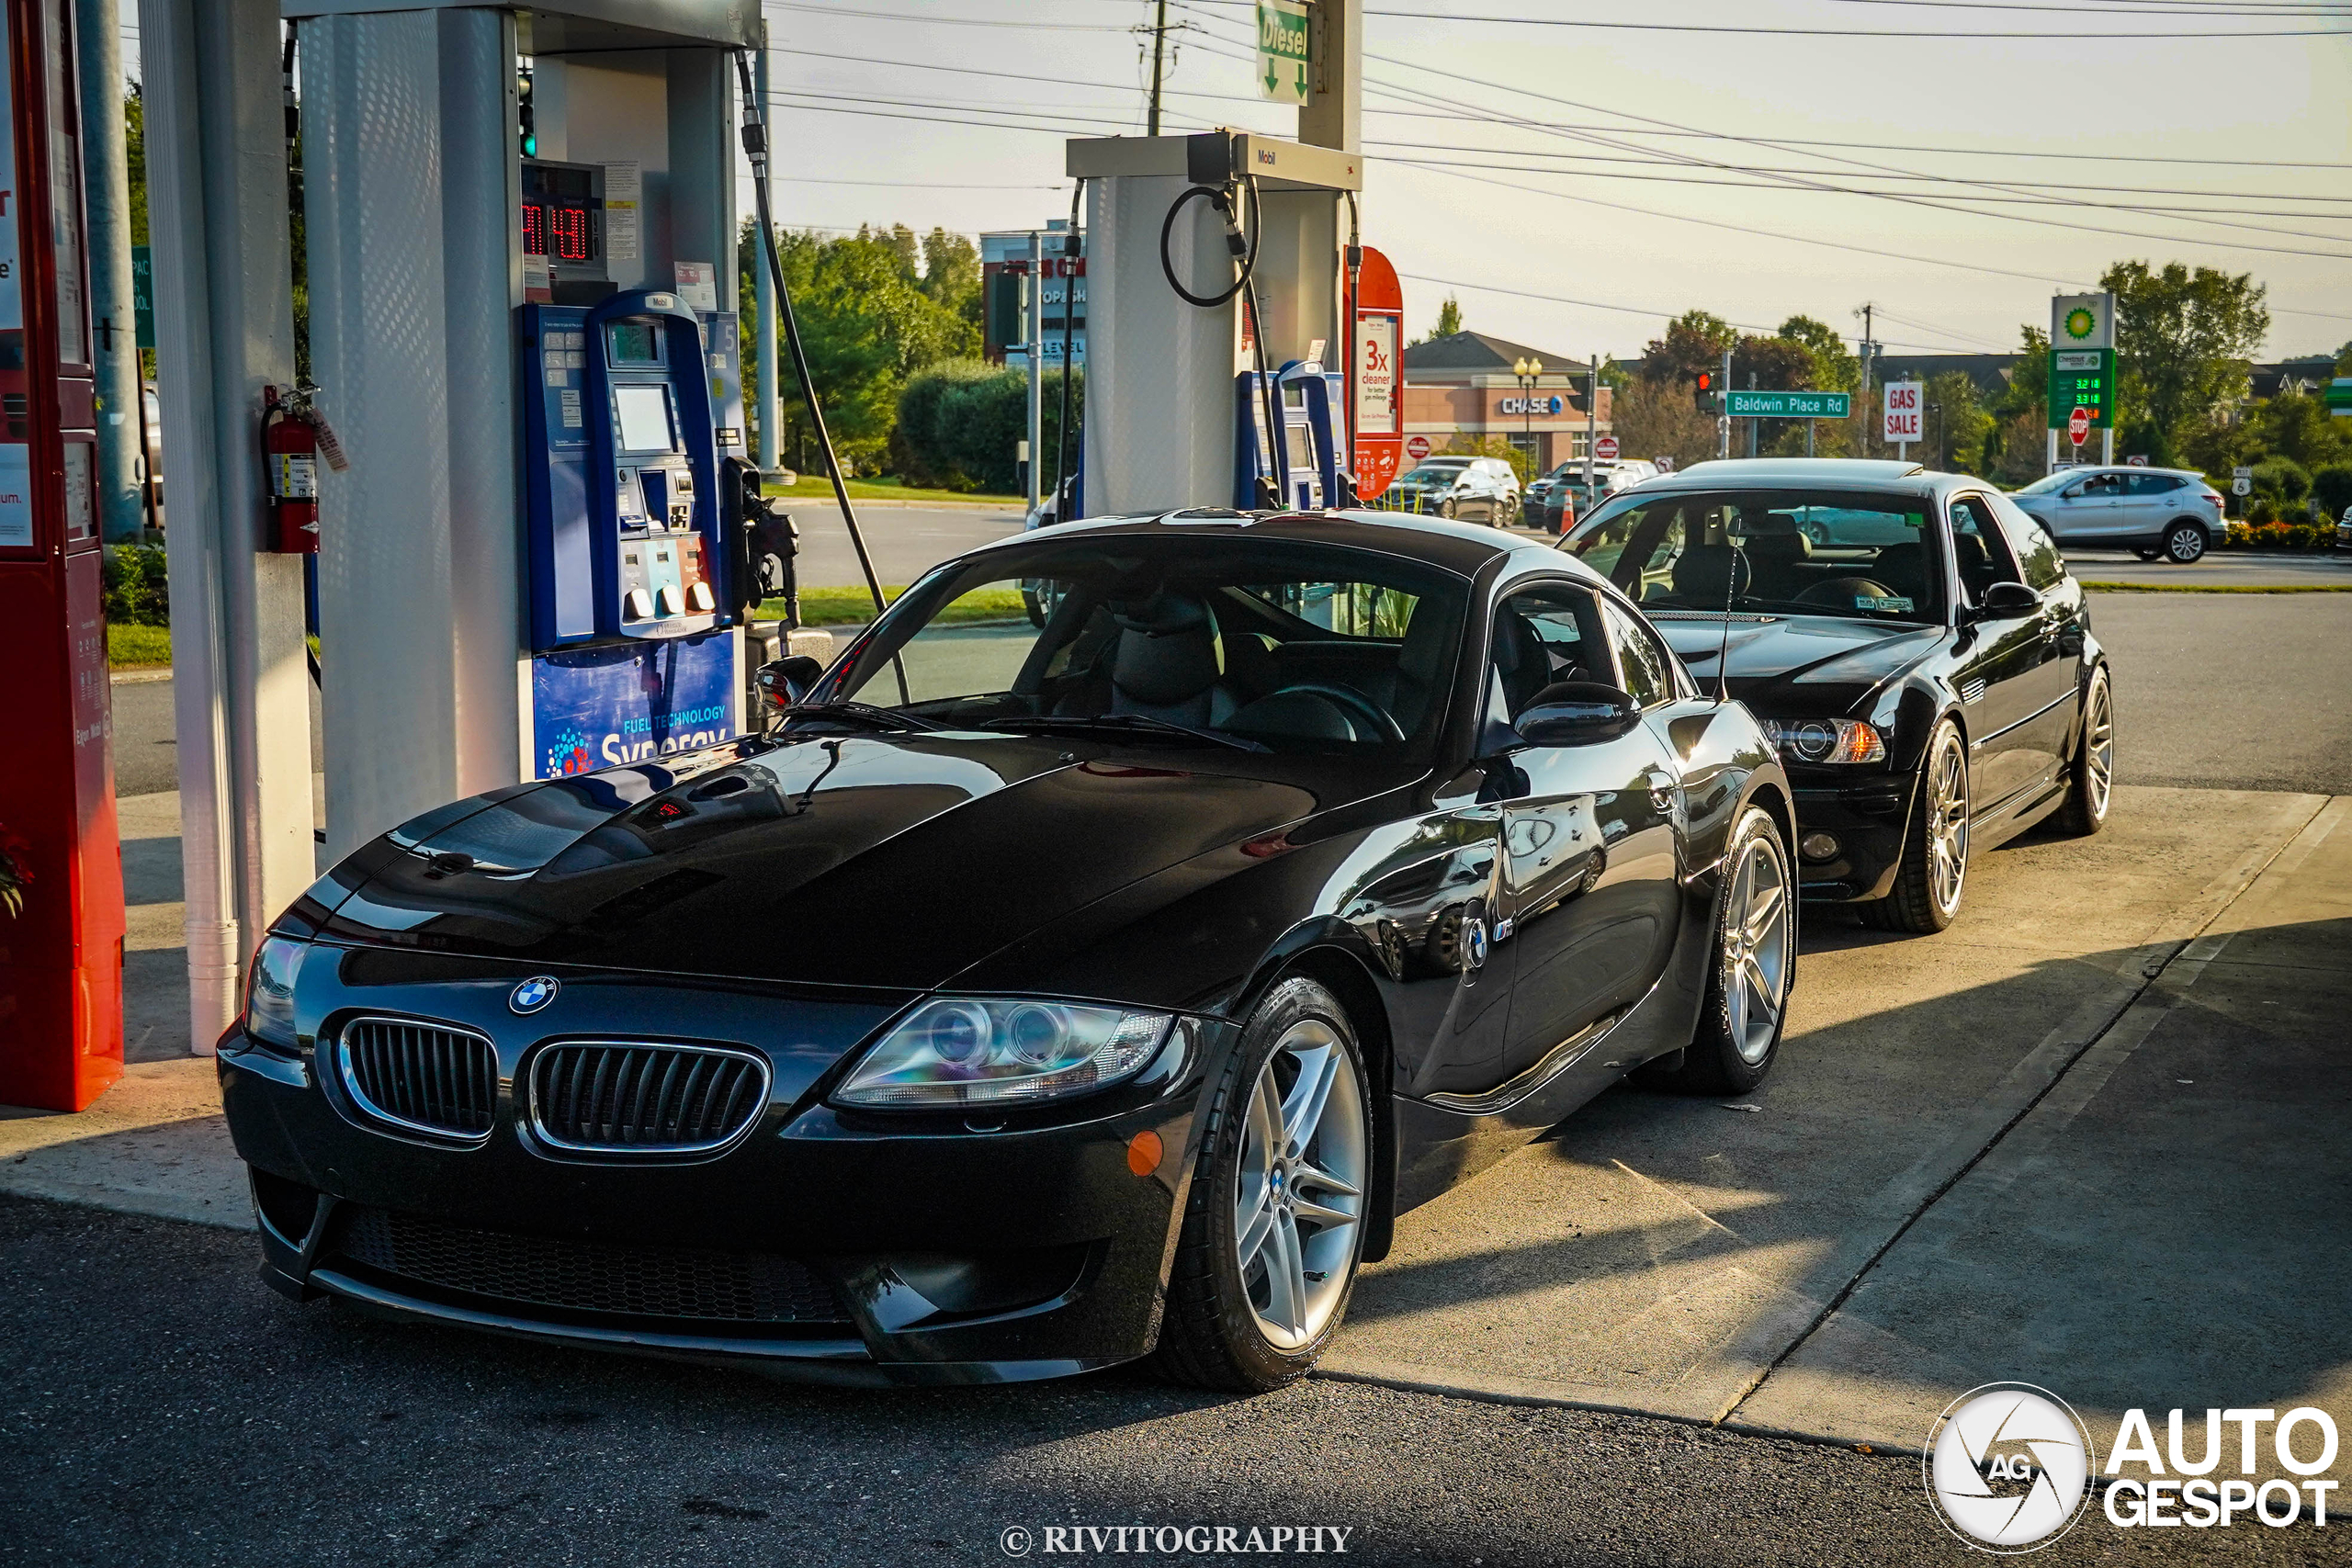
269,993
1825,740
958,1050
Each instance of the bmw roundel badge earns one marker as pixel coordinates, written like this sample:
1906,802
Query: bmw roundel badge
534,993
1474,941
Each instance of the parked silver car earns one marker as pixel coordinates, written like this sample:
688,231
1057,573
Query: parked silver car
2167,513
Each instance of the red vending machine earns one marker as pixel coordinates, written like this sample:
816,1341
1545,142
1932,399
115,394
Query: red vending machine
61,882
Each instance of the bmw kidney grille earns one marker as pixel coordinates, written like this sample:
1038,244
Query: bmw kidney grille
422,1077
655,1100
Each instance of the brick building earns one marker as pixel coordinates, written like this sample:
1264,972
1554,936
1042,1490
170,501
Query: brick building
1463,385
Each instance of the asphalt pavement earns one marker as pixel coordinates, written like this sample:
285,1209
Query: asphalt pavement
163,1408
905,541
2230,569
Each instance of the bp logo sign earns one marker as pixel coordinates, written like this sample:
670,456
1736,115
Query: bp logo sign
2009,1467
2080,323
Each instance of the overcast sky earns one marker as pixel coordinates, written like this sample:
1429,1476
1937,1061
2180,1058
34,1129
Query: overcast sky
2099,85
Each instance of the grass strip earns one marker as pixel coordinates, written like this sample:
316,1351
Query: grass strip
129,648
854,606
2219,587
817,488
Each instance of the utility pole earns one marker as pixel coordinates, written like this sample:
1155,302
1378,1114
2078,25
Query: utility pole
1159,57
105,184
1592,421
1867,346
1723,419
1753,425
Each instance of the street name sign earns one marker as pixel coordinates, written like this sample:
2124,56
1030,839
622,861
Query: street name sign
1285,51
1789,405
1905,413
2339,394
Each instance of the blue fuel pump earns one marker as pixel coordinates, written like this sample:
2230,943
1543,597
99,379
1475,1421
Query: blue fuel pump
1303,465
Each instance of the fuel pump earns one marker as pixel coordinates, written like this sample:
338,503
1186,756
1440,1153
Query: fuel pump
1300,467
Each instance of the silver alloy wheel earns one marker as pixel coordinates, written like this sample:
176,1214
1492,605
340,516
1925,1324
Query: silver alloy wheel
1948,824
1760,934
2185,544
2099,749
1305,1132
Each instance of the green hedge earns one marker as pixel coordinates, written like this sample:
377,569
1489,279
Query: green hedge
960,423
138,586
2333,485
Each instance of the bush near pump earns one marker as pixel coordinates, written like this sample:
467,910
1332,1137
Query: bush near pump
961,421
137,586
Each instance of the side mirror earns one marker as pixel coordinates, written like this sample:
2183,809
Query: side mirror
2007,599
1578,713
783,682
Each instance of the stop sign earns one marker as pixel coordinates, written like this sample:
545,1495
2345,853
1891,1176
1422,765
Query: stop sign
1417,447
2078,425
1605,448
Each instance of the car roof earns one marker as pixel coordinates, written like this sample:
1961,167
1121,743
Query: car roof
2081,469
1462,549
1808,473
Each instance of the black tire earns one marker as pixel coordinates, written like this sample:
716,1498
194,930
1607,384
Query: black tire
1916,905
2183,544
1210,1335
1445,509
2090,780
1716,1062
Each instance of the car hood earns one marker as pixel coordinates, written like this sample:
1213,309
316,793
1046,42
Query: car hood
887,861
1801,665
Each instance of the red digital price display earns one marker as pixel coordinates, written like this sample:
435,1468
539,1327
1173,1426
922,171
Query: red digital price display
560,212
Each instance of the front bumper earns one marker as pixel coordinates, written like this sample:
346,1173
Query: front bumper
821,1246
1869,818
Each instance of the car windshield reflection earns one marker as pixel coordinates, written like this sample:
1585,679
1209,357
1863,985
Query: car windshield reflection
1799,552
1170,641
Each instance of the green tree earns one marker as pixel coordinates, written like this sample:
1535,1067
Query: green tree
1449,322
1834,368
1695,341
868,324
2185,341
1957,425
951,274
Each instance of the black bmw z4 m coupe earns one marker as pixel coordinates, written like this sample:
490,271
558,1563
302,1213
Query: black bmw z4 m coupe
1028,999
1912,642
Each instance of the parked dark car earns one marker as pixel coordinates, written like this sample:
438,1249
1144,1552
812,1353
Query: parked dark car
1912,642
1474,489
1032,999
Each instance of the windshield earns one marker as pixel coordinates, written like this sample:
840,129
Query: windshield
1436,473
1210,638
2048,482
1799,552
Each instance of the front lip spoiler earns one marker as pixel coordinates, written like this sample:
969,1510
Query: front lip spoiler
844,1363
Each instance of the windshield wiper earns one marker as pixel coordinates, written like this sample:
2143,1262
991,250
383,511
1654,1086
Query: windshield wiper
1133,722
880,717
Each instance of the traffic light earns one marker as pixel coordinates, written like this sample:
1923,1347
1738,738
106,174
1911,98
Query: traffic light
1705,389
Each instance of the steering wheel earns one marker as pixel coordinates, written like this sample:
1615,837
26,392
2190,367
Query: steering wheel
1368,717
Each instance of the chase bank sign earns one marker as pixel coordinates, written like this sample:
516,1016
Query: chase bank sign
1552,404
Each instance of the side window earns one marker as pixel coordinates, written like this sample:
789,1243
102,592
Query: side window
1648,673
2156,484
1544,634
2036,552
1978,548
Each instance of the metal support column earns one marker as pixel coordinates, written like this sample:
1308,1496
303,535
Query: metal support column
224,321
105,184
764,306
1036,324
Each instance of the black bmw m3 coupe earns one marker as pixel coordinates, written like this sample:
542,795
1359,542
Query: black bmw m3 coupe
1030,998
1913,643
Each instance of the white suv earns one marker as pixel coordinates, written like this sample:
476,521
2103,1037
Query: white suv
2167,513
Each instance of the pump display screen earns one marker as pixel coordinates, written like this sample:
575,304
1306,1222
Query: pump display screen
643,414
632,343
1294,396
1300,446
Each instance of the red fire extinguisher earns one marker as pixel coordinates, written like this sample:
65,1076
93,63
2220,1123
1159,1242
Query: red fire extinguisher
294,437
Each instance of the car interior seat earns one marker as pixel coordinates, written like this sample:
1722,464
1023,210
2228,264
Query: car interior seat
1166,663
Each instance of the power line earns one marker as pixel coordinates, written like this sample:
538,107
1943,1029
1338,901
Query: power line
1804,32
